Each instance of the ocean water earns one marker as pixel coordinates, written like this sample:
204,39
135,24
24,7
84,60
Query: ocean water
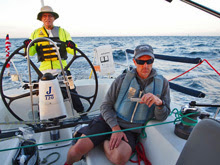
202,78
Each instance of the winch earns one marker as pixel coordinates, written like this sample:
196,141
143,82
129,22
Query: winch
189,116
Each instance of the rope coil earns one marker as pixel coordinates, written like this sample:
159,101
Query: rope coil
140,155
44,161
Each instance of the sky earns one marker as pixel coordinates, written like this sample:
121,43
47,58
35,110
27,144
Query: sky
112,17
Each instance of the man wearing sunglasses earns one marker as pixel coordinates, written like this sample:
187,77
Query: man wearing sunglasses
133,99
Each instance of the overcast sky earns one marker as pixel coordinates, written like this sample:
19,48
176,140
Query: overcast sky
111,17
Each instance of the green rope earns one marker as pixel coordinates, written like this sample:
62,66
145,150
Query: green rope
143,132
141,136
178,118
76,138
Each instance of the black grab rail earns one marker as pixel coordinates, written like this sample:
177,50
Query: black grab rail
173,58
185,90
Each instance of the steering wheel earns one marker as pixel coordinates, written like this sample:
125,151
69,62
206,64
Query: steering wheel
9,99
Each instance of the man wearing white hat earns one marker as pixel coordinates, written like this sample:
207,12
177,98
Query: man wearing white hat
46,52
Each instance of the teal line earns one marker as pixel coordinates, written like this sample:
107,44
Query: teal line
99,134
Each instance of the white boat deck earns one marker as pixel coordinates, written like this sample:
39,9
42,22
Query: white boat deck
161,140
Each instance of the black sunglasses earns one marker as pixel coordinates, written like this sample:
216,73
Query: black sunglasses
142,62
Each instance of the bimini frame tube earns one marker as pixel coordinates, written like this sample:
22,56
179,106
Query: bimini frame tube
201,7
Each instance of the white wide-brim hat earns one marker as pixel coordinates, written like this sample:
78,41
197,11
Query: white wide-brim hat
47,9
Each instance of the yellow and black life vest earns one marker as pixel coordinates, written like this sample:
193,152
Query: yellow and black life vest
46,51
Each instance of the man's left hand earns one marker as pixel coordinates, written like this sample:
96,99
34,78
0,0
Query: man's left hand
149,99
70,44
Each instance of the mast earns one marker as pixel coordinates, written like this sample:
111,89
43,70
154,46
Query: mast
42,3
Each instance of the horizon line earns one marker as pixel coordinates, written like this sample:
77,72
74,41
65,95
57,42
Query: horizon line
135,36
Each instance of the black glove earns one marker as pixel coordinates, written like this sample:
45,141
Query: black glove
27,42
70,44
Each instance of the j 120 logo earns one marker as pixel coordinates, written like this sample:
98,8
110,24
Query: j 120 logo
48,95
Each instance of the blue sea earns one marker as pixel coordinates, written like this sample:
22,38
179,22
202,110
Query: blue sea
202,78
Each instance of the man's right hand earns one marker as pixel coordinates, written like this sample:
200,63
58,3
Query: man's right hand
149,99
27,42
